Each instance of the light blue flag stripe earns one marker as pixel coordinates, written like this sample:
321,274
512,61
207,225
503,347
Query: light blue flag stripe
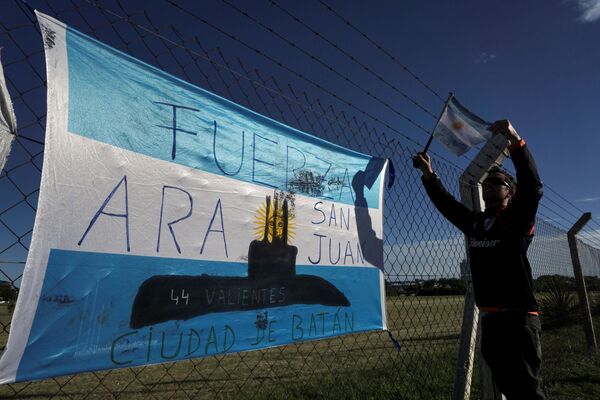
82,322
121,101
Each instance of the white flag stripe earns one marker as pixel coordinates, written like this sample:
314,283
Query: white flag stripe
465,132
459,129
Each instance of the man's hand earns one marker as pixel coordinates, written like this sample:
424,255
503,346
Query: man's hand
424,162
505,128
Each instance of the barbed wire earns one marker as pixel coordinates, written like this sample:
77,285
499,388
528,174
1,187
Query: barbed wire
420,244
352,58
327,66
96,4
380,48
422,82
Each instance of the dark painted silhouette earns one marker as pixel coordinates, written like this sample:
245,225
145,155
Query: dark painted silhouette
372,246
271,282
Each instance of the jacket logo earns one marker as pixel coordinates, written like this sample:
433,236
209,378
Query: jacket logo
488,223
474,243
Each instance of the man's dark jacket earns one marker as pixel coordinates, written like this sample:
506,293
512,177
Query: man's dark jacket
498,239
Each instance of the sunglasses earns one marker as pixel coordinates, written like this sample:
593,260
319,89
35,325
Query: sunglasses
495,181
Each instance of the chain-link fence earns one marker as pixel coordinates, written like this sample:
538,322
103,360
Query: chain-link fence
424,255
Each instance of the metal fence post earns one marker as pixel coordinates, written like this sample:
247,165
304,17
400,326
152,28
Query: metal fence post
470,190
586,314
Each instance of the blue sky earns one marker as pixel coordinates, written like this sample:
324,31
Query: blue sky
533,62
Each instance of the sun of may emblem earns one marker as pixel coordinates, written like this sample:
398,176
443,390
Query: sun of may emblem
260,217
458,125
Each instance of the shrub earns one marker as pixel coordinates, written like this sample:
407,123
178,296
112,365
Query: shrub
558,304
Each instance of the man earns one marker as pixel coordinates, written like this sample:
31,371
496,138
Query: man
498,239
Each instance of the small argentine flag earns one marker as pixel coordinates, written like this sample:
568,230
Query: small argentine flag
459,129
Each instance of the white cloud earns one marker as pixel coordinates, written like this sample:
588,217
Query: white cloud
590,10
427,259
588,199
484,57
590,236
551,220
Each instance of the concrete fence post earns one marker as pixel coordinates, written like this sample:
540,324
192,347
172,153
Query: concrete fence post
492,153
584,303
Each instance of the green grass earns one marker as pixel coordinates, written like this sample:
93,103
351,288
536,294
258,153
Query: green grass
568,371
359,366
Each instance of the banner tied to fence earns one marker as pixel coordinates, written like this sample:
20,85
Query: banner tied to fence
173,224
8,121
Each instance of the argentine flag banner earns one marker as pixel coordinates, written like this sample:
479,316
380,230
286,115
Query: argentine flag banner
459,129
173,224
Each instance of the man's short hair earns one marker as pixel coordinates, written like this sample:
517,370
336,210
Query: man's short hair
508,178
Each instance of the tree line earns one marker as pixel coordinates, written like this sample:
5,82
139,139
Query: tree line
458,286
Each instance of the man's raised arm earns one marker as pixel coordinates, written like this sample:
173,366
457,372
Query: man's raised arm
454,211
529,185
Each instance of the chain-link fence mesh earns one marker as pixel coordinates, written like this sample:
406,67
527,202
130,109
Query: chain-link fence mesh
424,254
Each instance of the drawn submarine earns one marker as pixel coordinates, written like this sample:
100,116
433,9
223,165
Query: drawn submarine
271,282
